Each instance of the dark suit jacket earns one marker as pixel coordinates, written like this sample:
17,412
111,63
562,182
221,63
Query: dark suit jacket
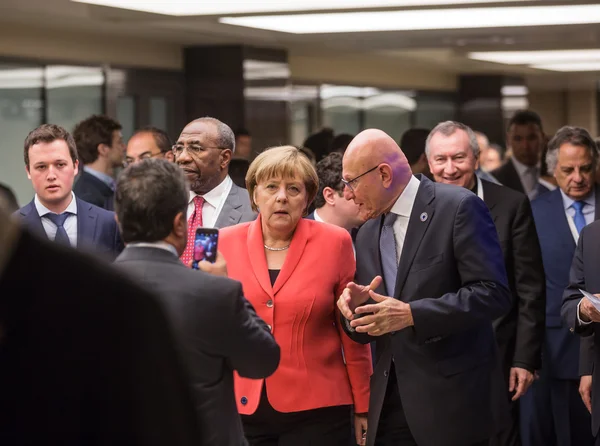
508,176
561,356
97,230
95,191
451,272
236,209
86,357
584,275
218,331
520,333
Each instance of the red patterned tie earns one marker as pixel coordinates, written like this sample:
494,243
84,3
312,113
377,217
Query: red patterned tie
193,223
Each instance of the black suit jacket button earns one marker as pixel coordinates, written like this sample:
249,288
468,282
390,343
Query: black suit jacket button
270,328
244,400
385,373
571,329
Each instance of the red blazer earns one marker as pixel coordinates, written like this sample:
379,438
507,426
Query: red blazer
301,309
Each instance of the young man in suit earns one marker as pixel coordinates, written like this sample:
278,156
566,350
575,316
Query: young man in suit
437,379
330,204
204,150
582,317
86,356
101,149
553,412
452,151
218,330
56,212
525,137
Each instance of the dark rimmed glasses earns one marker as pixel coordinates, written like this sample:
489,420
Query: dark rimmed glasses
349,183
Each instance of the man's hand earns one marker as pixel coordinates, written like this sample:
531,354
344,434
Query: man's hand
360,428
219,268
388,315
587,311
519,381
355,295
585,390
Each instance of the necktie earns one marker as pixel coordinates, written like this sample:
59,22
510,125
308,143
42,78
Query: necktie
579,219
61,233
530,178
389,257
193,223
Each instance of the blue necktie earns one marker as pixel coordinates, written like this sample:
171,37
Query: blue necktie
579,218
61,233
387,247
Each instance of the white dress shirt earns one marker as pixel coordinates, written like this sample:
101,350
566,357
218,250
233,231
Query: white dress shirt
70,223
159,245
213,203
588,210
528,179
402,208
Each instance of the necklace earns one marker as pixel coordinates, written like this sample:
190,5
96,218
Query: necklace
276,249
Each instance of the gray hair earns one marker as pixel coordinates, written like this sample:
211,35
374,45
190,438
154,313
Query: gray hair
225,136
577,136
148,196
447,128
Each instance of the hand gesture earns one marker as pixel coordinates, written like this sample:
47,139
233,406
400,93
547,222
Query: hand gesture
355,295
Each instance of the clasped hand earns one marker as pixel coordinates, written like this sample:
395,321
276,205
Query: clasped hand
386,315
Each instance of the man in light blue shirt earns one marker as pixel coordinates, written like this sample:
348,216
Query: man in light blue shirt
56,212
552,411
101,149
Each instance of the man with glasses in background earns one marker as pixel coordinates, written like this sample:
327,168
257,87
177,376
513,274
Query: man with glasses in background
204,150
148,142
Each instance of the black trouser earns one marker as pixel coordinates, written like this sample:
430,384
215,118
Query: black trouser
393,428
327,426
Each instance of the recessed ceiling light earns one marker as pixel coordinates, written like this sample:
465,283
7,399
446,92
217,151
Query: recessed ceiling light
537,57
188,7
424,19
576,66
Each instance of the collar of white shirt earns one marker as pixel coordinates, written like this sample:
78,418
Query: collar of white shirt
318,217
214,196
590,201
522,168
404,204
159,245
43,210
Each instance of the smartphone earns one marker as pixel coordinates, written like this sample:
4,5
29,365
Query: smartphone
205,246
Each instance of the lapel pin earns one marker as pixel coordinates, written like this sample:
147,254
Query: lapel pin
424,216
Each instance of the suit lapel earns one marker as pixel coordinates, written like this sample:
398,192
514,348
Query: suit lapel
258,260
86,223
489,198
420,217
294,254
230,214
560,224
514,175
32,219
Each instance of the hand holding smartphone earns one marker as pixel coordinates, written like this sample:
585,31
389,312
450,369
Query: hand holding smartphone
205,246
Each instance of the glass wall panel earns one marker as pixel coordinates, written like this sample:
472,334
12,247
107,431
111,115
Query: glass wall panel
126,115
73,94
158,113
390,112
21,89
432,110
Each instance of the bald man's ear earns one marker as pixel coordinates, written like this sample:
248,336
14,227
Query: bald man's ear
385,172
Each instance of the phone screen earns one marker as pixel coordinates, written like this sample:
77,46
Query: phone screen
205,245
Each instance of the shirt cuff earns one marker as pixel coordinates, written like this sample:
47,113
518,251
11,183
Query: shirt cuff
579,321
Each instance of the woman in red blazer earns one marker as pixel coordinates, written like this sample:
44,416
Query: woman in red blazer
293,270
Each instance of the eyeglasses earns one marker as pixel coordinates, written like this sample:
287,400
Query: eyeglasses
143,156
196,149
348,183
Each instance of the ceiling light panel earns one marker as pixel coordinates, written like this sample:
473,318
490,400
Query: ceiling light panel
536,57
191,8
425,19
575,66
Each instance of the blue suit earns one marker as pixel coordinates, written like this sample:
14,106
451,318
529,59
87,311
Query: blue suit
97,230
552,410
